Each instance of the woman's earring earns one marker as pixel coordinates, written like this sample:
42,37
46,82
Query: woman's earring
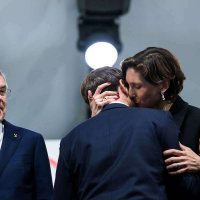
162,96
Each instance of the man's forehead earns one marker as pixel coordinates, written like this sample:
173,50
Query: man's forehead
2,81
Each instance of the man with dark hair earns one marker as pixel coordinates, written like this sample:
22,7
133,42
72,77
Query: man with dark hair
118,153
98,77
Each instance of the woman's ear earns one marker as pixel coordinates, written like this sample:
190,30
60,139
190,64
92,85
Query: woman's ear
164,86
123,88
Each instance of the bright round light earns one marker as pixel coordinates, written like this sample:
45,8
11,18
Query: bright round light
101,54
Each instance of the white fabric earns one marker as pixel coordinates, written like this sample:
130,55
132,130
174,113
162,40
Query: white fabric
1,134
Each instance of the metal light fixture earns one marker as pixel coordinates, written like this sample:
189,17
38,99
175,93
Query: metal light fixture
98,23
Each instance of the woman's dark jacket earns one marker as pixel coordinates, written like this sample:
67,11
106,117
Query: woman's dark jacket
187,118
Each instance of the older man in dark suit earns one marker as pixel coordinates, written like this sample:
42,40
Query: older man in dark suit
118,153
24,165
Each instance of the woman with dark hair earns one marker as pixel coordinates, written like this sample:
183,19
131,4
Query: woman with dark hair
155,79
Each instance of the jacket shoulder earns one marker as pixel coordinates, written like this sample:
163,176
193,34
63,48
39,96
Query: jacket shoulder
22,130
194,109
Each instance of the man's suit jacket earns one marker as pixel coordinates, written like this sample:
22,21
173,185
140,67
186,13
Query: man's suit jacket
116,155
24,165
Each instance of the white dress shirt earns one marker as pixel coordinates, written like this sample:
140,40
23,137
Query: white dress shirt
1,134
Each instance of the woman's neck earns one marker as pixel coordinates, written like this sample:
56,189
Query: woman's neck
166,105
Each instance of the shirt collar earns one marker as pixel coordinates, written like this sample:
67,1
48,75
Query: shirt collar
120,103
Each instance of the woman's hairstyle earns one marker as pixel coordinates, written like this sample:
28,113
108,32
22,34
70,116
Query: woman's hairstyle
98,77
156,65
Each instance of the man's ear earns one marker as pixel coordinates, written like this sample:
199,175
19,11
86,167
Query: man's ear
164,86
123,88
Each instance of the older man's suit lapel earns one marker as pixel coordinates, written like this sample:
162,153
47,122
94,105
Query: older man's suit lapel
10,143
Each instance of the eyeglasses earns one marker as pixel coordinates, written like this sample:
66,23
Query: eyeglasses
5,92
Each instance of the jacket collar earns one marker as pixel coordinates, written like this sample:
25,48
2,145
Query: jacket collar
11,140
113,106
179,110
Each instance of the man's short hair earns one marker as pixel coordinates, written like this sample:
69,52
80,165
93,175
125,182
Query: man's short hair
98,77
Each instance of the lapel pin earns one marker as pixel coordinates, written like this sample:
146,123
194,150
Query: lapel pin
15,135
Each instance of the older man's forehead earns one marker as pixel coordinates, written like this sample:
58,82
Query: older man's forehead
2,81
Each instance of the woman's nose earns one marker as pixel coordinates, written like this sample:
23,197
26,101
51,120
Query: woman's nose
131,93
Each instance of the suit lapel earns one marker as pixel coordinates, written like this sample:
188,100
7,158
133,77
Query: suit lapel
11,140
179,110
